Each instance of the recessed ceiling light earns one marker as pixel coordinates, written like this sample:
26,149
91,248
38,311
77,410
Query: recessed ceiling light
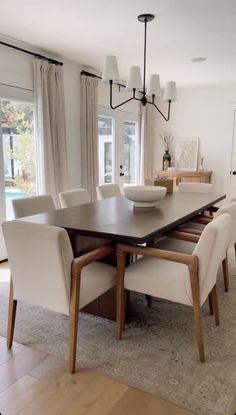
198,59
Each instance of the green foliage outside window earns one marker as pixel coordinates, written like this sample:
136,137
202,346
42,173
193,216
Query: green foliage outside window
17,122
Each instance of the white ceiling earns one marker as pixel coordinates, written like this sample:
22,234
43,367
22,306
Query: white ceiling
86,31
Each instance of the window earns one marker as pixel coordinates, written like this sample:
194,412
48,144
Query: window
118,147
18,146
131,141
105,149
17,150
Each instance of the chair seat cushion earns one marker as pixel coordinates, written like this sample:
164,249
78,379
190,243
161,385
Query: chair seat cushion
160,278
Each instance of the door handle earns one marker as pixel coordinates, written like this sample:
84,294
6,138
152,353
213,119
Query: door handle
122,174
233,173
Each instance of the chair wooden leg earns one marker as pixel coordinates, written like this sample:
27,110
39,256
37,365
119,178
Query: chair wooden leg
126,307
74,313
149,300
120,295
210,303
149,297
194,279
11,317
226,273
215,305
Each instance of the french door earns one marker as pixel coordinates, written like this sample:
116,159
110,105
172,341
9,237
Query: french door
17,153
118,147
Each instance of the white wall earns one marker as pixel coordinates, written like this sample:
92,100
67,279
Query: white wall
206,113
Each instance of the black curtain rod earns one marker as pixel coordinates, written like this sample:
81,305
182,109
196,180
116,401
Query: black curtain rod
97,76
90,74
36,55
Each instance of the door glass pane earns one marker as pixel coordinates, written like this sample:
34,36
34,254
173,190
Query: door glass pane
130,151
105,149
18,144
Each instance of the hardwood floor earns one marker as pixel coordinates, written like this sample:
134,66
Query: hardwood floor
33,383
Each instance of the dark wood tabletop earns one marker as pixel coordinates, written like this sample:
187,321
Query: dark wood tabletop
116,219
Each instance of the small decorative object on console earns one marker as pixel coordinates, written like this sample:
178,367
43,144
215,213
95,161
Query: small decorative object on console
167,140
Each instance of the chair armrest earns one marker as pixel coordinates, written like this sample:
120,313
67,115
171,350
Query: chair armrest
190,260
184,235
202,219
96,254
190,231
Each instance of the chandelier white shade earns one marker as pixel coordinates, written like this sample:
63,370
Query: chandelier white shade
170,92
154,87
134,79
110,69
135,82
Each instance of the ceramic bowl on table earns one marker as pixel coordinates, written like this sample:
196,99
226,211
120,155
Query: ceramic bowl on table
145,196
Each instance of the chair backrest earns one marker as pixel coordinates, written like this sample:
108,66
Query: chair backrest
195,187
210,250
108,190
32,205
231,209
40,258
74,197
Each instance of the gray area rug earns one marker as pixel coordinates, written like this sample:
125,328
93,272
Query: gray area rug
158,352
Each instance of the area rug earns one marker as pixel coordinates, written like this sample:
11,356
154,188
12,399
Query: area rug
158,352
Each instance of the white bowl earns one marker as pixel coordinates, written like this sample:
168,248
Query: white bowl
145,196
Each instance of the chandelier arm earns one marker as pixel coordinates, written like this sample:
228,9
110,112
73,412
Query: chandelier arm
122,103
168,115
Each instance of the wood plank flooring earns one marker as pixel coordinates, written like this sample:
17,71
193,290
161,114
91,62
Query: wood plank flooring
34,383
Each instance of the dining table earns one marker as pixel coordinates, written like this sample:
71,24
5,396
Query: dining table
117,220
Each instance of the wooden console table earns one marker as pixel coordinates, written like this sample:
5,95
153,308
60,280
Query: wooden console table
199,176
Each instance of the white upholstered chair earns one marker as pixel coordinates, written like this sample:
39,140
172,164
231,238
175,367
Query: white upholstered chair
108,190
44,273
188,187
182,278
204,188
189,228
74,197
231,209
32,205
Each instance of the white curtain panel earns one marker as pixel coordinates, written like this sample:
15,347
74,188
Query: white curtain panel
52,161
89,134
146,148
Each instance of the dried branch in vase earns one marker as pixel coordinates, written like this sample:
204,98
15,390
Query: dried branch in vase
167,140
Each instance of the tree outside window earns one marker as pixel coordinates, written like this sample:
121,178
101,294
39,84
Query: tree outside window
19,146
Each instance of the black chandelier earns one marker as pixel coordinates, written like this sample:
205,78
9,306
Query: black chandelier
134,84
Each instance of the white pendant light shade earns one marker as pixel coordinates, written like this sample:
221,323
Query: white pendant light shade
154,87
110,69
170,92
134,80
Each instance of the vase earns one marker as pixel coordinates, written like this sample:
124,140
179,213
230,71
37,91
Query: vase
166,160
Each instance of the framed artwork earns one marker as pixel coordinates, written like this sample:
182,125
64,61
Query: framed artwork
186,153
